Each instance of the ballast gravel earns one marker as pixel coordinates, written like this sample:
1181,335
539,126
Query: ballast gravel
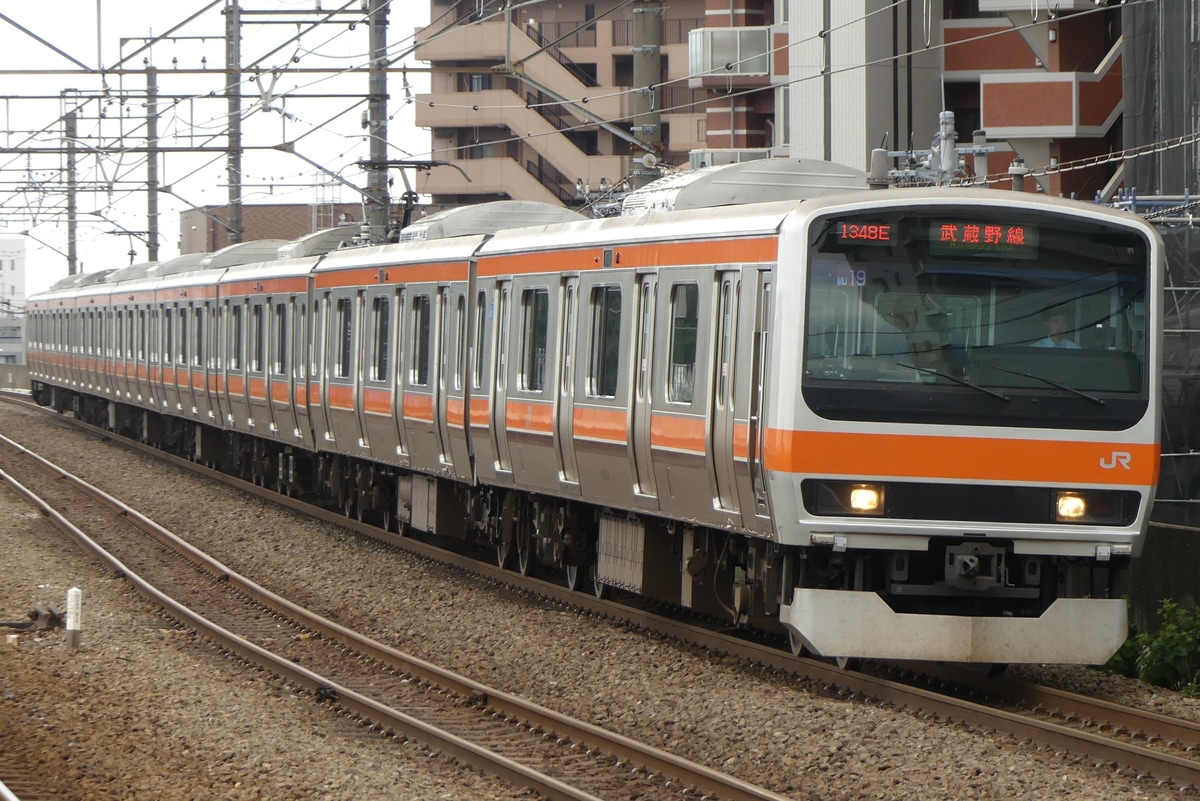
143,710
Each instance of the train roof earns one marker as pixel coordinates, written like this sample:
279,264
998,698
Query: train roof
758,181
244,253
487,218
319,242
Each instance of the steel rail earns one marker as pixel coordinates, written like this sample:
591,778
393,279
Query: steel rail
1163,767
708,781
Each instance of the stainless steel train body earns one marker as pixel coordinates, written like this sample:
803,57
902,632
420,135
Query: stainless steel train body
831,418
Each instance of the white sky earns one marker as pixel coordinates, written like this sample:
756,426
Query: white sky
101,32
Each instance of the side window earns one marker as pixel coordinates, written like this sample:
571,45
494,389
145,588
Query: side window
480,323
605,361
345,333
535,312
681,381
169,345
280,339
120,354
141,334
420,339
258,339
235,337
460,351
198,357
380,328
299,358
184,352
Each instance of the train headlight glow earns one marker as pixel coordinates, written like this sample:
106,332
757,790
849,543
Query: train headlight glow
1070,507
866,499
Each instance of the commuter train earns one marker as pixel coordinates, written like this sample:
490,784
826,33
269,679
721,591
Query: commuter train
905,424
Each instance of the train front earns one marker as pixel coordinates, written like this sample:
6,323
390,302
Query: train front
964,465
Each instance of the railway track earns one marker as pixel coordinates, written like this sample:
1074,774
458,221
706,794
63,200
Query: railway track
1112,737
523,743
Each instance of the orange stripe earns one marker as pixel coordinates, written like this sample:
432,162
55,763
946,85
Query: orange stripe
280,392
741,445
302,396
455,412
314,393
268,287
418,407
236,384
377,401
657,254
677,433
341,396
529,417
393,274
959,458
258,389
609,425
480,410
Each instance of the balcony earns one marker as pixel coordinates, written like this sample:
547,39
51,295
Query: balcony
1056,105
729,57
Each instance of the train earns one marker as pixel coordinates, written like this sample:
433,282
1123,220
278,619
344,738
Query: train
903,424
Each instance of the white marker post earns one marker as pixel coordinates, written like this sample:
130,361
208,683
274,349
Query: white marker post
74,610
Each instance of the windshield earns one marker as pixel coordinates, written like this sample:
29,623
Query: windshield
976,316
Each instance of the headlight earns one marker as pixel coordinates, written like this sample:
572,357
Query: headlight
1070,507
863,500
1087,507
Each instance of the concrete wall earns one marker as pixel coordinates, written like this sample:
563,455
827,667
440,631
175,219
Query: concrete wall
14,376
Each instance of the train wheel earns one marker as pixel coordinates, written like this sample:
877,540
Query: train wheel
575,575
503,551
599,588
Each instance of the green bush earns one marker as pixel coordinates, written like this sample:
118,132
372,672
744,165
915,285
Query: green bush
1170,657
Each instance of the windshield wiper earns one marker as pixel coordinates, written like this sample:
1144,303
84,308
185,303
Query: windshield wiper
956,380
1053,383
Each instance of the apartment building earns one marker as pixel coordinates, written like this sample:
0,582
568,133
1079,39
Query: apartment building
538,101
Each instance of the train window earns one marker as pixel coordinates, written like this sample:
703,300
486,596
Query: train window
420,354
535,316
182,352
279,338
298,360
235,337
258,339
380,328
198,355
141,342
345,327
568,342
480,319
460,344
606,342
169,347
681,381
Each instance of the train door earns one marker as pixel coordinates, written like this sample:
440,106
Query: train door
458,331
645,489
499,405
259,414
564,413
749,404
722,416
344,369
399,434
281,388
441,349
319,375
376,410
300,360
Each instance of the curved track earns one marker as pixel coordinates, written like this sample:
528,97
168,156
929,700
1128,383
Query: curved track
523,743
1144,744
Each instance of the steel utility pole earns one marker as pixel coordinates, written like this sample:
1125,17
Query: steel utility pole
233,92
378,203
151,164
647,75
70,132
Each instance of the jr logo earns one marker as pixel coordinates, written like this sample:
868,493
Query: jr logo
1118,458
